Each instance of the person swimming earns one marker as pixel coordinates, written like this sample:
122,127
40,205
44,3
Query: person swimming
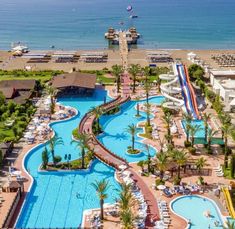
77,195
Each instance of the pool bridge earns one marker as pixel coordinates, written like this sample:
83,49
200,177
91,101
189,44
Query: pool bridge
100,151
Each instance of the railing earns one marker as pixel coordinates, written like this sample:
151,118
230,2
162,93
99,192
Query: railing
11,210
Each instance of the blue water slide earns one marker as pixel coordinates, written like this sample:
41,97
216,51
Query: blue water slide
185,91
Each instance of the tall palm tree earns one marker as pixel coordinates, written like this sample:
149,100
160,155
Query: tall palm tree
200,163
193,131
148,161
132,130
206,118
134,70
167,118
226,130
147,88
97,111
101,188
147,84
188,120
137,107
211,134
117,71
52,93
53,142
180,158
125,197
82,143
148,112
162,161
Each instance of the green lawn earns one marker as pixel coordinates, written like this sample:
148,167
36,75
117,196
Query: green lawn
12,77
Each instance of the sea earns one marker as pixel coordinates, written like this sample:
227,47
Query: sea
81,24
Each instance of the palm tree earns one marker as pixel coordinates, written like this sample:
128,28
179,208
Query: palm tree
180,159
229,225
193,131
167,118
117,71
147,84
97,111
132,130
206,118
188,119
101,188
148,161
225,129
127,219
134,71
162,163
82,143
137,107
211,134
53,142
147,88
125,197
200,163
148,112
52,93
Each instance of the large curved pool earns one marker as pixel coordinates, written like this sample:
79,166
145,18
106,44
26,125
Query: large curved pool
53,201
193,208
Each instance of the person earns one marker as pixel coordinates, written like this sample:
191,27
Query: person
77,195
189,221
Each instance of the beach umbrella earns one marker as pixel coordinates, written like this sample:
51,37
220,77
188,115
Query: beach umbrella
161,187
126,173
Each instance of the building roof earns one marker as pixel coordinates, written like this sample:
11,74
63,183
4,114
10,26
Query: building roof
21,87
74,79
223,72
8,92
18,84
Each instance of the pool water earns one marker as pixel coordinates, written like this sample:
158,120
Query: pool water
58,199
115,136
193,207
201,132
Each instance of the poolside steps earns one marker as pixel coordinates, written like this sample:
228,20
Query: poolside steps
100,151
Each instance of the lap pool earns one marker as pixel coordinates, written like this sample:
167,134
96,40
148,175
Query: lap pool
193,208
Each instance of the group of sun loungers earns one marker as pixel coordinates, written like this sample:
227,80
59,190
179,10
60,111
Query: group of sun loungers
180,189
165,219
218,171
224,60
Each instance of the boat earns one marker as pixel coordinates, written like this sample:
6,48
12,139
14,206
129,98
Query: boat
133,16
19,47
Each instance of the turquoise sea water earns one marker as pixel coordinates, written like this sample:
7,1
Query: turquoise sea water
53,200
193,207
73,24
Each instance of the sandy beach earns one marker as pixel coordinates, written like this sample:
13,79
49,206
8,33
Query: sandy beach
135,56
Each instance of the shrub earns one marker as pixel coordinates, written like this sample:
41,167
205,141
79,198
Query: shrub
192,150
187,144
57,159
75,133
45,158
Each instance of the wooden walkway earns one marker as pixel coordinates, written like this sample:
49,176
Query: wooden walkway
100,151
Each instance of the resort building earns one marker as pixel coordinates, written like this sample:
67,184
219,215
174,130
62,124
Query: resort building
75,83
223,84
17,90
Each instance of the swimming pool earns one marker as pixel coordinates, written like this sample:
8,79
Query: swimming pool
52,201
115,136
200,135
193,208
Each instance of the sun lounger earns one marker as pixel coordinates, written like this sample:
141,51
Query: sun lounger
167,192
